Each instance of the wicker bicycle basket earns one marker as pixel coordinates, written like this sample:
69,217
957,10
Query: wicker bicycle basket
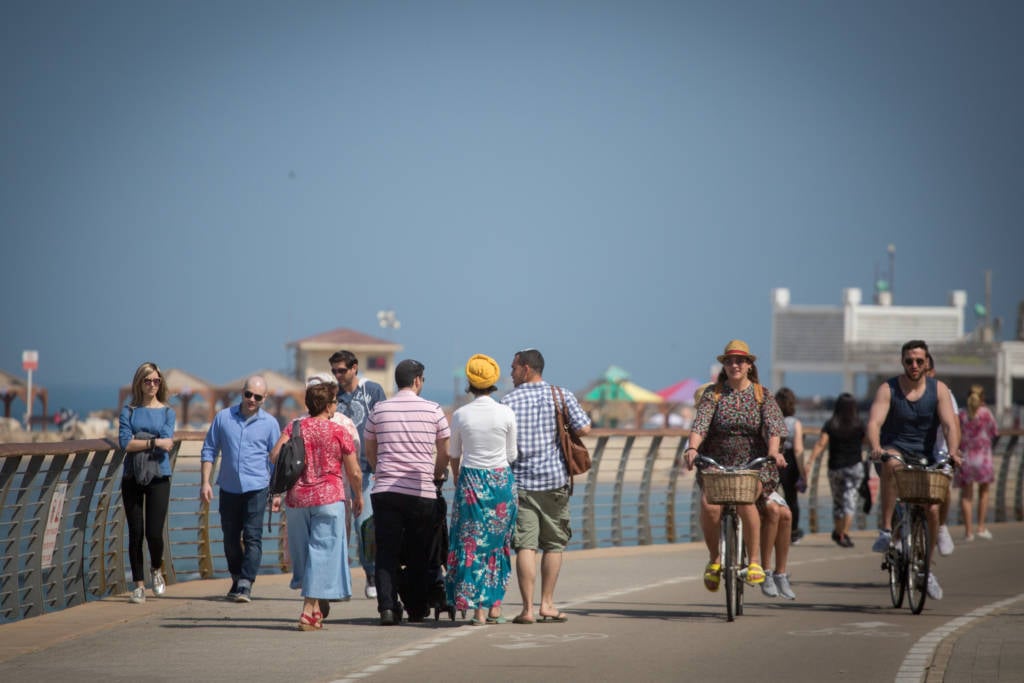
922,487
730,488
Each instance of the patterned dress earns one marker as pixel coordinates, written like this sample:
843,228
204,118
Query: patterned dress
735,428
976,446
479,560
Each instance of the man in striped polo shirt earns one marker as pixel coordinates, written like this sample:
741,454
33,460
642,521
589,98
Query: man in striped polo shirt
400,437
542,480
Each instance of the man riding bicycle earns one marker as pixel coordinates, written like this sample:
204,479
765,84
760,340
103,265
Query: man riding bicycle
904,418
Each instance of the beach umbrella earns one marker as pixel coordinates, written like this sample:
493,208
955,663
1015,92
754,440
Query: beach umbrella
680,392
621,391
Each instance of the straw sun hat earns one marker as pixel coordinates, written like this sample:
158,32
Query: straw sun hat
737,347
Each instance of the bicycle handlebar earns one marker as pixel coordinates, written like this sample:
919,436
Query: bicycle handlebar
917,462
703,461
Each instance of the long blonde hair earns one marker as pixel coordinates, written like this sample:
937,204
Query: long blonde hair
975,400
140,374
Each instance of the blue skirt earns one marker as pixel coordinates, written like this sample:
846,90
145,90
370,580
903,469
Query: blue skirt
479,555
318,546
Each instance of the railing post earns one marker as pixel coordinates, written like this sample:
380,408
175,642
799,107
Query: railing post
644,511
590,495
620,477
670,498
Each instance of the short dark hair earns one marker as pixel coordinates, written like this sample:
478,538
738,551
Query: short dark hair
531,358
407,371
786,400
343,356
914,344
318,396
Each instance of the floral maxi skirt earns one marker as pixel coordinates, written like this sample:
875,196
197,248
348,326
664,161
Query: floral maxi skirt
479,555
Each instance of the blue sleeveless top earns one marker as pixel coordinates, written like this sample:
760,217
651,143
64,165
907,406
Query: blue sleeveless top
911,425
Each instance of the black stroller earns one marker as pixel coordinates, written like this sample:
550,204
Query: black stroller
436,599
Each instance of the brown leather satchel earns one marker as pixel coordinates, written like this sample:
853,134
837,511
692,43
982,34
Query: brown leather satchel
577,457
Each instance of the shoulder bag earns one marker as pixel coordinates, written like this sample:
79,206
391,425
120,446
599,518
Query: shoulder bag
291,462
577,457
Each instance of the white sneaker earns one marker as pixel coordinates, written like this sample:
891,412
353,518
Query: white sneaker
934,589
159,585
782,583
371,591
986,534
945,541
768,587
881,543
137,596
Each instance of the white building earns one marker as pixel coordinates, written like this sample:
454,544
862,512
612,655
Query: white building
865,339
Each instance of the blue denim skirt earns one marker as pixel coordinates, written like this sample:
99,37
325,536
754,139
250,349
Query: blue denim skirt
318,546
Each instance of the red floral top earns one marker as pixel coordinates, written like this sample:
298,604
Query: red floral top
326,444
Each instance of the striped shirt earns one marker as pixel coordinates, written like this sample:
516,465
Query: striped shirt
540,465
406,429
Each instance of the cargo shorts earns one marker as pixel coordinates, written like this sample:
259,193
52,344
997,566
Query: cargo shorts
543,521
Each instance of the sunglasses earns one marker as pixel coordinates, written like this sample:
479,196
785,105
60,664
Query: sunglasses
152,382
255,397
735,361
339,371
914,361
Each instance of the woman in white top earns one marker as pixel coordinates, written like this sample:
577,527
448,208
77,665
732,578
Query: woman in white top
483,445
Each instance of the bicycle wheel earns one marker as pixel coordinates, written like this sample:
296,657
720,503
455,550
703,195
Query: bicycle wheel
741,549
918,566
896,561
730,564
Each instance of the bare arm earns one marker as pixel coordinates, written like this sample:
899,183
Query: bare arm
355,482
879,410
275,452
950,423
441,463
818,449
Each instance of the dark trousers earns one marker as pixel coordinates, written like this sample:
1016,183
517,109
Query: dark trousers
145,509
788,476
241,518
402,519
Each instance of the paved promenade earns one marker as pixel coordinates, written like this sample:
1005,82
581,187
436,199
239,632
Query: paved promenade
637,614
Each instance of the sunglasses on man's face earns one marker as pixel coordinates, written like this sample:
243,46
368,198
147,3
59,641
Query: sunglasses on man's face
915,361
255,397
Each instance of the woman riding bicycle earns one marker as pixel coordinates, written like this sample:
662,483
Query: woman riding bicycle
737,421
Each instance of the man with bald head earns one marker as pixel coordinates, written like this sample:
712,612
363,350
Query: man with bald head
243,436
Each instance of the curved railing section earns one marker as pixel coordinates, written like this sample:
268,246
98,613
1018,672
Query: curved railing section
63,537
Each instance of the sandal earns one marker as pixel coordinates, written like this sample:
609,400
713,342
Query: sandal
712,576
755,574
310,622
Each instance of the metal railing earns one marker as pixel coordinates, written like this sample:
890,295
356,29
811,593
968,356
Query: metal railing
63,538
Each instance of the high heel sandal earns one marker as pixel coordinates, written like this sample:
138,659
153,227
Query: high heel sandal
311,622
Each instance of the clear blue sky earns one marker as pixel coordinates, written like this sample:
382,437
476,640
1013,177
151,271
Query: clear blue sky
198,183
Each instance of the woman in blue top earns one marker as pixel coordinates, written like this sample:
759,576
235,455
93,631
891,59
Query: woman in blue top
145,430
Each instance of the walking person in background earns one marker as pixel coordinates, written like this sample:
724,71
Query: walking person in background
944,539
793,476
401,437
483,446
242,436
542,481
979,431
356,399
146,429
904,416
843,436
734,424
317,542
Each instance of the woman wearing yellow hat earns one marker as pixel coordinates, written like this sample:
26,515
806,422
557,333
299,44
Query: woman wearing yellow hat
737,420
483,445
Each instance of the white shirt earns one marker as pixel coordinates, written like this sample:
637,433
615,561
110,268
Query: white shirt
484,435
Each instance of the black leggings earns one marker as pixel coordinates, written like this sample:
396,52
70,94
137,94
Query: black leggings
788,476
145,508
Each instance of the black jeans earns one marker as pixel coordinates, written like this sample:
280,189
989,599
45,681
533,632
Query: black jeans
788,476
241,521
145,509
402,520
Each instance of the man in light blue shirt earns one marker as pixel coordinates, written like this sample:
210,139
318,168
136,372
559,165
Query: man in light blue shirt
243,436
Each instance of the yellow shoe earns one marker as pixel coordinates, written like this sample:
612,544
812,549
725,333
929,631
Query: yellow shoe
755,574
713,576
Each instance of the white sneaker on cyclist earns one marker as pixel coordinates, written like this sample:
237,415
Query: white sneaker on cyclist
934,589
881,543
782,583
945,541
768,587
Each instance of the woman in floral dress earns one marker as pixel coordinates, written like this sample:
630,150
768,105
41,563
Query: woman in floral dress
978,429
734,416
483,445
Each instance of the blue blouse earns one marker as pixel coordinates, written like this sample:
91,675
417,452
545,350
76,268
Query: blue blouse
159,421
